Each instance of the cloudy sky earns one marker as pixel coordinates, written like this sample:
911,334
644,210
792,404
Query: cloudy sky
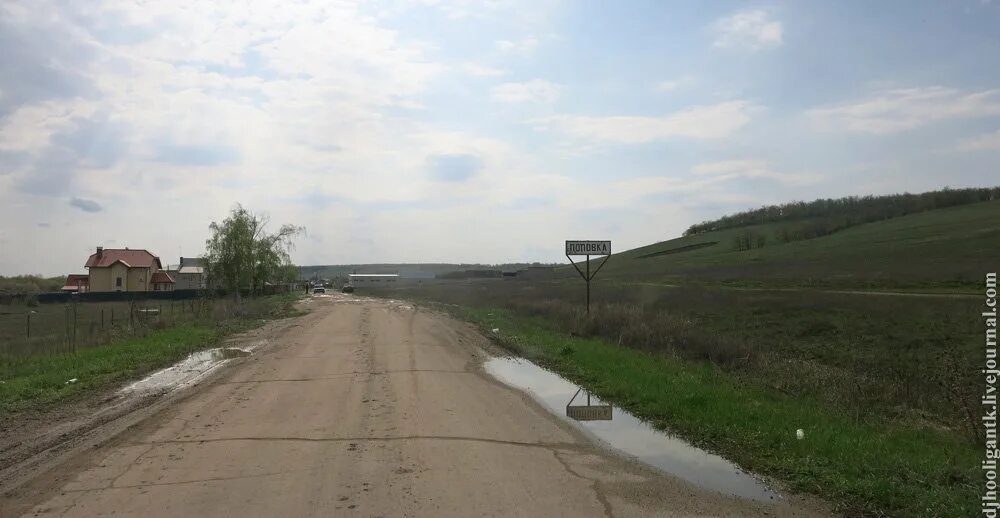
472,130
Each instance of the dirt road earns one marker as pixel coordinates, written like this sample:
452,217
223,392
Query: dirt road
365,408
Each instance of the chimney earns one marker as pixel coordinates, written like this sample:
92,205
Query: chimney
100,251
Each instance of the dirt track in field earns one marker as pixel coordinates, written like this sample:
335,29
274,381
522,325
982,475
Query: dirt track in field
364,408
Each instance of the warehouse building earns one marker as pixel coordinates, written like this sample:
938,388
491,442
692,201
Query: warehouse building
361,280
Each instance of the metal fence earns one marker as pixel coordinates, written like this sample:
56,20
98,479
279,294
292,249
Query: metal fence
42,329
62,297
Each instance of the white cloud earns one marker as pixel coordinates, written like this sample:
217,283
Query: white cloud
674,84
522,11
535,90
905,109
752,30
698,122
477,70
523,45
269,100
985,142
751,168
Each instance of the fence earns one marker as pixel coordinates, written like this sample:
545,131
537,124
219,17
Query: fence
42,329
60,297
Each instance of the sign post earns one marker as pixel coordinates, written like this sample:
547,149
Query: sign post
588,248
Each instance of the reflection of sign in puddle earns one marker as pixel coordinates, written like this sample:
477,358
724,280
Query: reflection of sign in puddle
587,412
628,433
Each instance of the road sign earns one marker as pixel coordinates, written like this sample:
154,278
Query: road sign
588,248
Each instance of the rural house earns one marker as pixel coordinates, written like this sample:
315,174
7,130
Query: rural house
126,270
76,283
189,274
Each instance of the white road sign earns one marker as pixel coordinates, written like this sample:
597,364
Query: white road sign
588,247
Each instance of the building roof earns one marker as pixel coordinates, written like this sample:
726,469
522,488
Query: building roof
161,278
191,270
131,258
373,275
75,281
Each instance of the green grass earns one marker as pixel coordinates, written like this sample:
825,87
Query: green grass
34,382
944,248
864,468
42,380
873,357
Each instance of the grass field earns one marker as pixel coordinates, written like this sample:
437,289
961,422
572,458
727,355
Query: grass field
41,379
885,358
946,248
43,329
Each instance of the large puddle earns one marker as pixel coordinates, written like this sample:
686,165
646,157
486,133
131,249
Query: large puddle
625,432
186,371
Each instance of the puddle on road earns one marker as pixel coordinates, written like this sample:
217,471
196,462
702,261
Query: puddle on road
185,371
627,433
341,298
227,353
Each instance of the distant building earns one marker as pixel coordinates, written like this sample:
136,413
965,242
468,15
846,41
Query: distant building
162,281
189,274
77,283
359,280
126,270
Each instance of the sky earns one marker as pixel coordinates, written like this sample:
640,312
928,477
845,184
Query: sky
472,130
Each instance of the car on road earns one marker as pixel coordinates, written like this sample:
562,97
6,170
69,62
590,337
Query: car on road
319,289
347,289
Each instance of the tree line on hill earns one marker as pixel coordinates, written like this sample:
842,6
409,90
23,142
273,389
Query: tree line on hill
825,216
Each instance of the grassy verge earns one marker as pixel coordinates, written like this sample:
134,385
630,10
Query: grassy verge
864,468
907,359
42,380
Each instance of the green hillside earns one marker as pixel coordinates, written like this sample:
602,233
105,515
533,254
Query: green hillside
942,248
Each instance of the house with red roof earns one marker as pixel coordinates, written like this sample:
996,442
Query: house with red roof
76,283
116,269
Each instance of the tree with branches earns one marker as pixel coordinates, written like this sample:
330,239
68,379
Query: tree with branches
242,254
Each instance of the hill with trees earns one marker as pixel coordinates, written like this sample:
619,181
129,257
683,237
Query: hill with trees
944,248
806,220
